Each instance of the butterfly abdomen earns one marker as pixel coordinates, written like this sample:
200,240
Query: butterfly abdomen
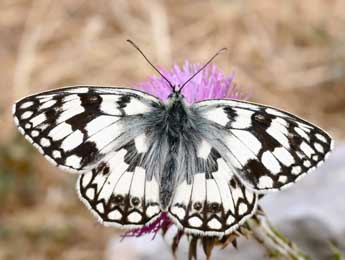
167,182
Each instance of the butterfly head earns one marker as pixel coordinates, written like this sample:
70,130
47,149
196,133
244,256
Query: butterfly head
176,93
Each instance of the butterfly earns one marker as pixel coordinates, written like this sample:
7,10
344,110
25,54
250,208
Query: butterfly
204,164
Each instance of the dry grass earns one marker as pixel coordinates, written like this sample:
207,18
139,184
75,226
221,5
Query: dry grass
291,53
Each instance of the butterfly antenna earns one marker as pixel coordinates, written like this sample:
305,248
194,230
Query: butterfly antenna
209,61
153,66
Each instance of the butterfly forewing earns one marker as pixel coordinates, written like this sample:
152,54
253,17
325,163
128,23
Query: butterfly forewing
267,148
76,127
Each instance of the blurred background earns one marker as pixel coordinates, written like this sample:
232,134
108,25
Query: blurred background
288,54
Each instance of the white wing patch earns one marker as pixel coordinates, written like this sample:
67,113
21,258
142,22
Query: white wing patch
217,116
204,150
141,143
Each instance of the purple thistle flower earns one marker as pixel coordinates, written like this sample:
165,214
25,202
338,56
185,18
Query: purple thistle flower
211,83
163,222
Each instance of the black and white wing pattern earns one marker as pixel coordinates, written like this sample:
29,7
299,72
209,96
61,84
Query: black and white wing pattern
99,133
74,128
118,191
136,158
215,202
267,148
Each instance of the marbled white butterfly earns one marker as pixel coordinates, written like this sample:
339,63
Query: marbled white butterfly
137,156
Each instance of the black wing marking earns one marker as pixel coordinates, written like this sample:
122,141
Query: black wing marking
267,148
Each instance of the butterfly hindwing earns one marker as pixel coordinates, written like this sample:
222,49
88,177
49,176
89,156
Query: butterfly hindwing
76,127
215,202
118,191
267,148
